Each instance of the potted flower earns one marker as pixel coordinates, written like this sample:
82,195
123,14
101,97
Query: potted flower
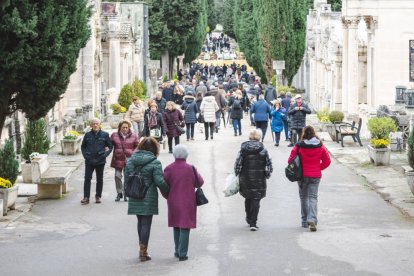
9,169
380,129
335,118
35,140
71,143
410,155
323,117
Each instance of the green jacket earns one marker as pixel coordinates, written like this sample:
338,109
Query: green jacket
153,176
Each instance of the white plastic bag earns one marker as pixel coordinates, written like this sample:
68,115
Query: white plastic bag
232,185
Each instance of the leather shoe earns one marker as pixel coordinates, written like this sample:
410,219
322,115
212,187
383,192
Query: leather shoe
183,258
85,201
98,199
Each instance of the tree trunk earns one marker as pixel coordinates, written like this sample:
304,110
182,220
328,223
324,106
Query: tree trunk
171,67
2,120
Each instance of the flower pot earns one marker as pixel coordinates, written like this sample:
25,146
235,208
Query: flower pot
114,119
379,156
70,146
410,180
26,172
330,128
9,197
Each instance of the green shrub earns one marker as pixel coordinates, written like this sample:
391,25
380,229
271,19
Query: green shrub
175,77
286,89
380,129
323,115
9,166
410,149
140,89
126,95
274,81
35,139
164,79
117,108
336,116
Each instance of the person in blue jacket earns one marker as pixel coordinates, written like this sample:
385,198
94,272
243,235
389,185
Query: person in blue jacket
278,116
261,112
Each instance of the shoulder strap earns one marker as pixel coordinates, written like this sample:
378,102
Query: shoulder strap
196,178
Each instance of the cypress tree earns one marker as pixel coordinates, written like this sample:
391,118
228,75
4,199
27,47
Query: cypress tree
35,138
39,45
196,39
211,14
227,18
158,30
9,166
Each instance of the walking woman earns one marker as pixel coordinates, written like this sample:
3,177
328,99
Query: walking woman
181,178
236,112
314,158
253,166
125,142
145,159
190,114
135,115
208,109
278,115
154,124
172,118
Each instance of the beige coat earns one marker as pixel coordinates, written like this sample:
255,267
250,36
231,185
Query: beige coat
135,113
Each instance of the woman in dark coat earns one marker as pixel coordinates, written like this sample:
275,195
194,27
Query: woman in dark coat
154,123
172,119
145,159
125,142
253,166
236,112
182,208
190,115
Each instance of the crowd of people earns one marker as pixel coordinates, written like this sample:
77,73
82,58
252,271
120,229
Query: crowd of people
212,104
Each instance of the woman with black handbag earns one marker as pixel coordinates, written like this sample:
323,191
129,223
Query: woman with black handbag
314,158
174,121
253,166
145,160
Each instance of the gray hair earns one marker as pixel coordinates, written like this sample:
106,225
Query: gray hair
94,120
288,94
180,151
255,135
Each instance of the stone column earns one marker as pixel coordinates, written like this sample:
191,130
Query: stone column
371,23
345,24
352,91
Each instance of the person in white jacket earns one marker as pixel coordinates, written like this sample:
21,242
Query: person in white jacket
208,109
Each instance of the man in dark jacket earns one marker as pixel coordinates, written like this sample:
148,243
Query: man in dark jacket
286,105
221,102
261,111
270,94
160,101
167,92
96,146
298,112
253,166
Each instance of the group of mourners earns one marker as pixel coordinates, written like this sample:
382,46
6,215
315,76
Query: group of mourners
136,146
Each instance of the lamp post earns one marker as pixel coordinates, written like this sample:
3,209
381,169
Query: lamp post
279,66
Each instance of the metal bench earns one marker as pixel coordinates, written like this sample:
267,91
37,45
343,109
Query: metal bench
353,129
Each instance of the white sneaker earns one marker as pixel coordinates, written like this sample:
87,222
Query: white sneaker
254,228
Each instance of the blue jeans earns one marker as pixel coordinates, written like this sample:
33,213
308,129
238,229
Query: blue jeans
237,126
308,193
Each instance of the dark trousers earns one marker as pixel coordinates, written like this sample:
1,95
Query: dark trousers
189,130
263,126
144,228
209,126
88,177
286,129
277,137
176,141
252,207
181,240
296,135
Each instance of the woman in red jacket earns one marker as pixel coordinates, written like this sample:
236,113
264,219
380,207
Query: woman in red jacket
125,142
314,158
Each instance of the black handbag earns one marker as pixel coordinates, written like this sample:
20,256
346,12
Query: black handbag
180,129
293,171
201,199
200,118
136,187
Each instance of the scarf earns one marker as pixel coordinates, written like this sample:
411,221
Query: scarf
152,120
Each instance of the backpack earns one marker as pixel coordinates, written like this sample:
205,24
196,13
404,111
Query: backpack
237,104
136,187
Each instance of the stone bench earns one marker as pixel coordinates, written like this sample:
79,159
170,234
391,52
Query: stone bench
53,183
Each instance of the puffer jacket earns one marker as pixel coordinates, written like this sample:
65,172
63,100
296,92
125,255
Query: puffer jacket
153,177
93,147
252,177
123,148
135,113
298,117
314,157
171,120
190,110
278,116
209,108
161,103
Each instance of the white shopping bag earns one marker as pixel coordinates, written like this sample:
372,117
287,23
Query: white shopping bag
232,185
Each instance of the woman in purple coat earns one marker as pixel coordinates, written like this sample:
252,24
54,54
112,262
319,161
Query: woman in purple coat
125,142
182,178
172,118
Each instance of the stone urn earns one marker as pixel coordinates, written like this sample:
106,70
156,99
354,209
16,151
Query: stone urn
379,156
114,119
410,180
71,146
330,128
26,172
9,197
